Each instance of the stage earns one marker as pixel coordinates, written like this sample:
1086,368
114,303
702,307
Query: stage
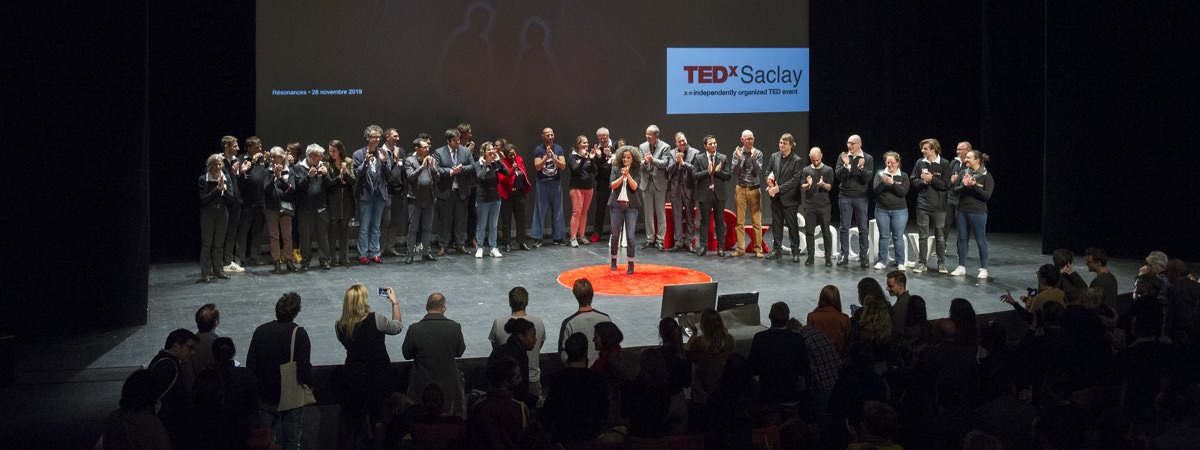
476,292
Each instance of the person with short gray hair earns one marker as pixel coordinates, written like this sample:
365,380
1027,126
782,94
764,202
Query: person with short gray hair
433,344
656,154
372,164
312,184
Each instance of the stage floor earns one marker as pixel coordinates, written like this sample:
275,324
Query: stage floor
476,292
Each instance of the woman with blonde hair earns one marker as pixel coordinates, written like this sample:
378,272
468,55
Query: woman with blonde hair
362,333
214,218
584,164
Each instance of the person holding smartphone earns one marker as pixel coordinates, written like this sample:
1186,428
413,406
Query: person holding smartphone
487,169
362,333
891,208
931,180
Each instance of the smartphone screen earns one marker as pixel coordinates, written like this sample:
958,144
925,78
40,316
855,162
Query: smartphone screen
383,292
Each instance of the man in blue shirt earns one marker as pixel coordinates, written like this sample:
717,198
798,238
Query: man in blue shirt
549,188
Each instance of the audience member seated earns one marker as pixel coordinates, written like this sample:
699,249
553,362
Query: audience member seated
857,383
497,421
780,360
679,371
876,429
1144,363
708,349
965,323
829,318
611,361
576,407
133,425
646,401
431,425
522,336
734,406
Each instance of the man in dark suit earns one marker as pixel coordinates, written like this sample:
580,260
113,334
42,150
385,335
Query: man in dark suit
453,188
250,177
679,191
780,359
710,174
783,185
395,214
433,344
372,164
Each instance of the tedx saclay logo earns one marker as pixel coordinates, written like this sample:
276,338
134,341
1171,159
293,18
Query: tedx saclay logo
746,74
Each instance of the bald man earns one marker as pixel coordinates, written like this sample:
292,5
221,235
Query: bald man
854,170
817,181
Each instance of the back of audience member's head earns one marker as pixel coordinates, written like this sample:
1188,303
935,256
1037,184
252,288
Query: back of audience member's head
779,314
652,368
714,337
576,347
223,351
1098,256
916,314
963,315
139,392
1092,297
1074,296
794,324
500,373
1156,261
879,420
869,286
609,334
518,299
1148,285
517,326
433,397
875,319
978,440
944,330
670,334
1048,274
831,297
1176,270
583,292
1062,257
287,307
435,303
182,336
207,318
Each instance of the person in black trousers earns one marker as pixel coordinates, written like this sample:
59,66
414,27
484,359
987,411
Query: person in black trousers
312,208
250,176
818,180
213,218
514,188
604,146
340,198
710,176
233,205
422,176
783,185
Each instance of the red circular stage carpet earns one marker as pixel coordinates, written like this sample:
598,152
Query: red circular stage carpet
647,279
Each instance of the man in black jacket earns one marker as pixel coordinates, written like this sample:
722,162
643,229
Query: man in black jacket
233,204
783,185
395,214
931,179
271,347
312,179
174,394
854,170
250,178
780,359
712,171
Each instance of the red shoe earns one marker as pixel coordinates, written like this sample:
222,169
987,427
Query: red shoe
363,260
377,260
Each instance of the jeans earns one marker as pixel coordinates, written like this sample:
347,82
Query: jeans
370,213
288,426
891,228
549,199
487,215
938,220
972,224
622,216
581,199
855,207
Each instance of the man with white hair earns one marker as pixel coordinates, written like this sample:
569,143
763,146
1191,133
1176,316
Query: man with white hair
605,146
657,155
747,164
312,180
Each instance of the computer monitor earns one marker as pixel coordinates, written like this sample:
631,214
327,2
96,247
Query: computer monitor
728,301
691,298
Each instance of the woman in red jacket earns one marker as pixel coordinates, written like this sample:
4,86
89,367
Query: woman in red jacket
514,186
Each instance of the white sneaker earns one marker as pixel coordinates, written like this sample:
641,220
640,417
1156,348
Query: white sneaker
942,268
233,267
959,271
479,253
880,265
496,253
910,264
982,274
902,268
574,243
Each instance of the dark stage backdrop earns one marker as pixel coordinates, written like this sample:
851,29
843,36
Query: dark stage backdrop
508,68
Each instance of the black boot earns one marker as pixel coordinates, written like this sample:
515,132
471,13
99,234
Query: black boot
614,264
278,267
629,270
411,256
291,266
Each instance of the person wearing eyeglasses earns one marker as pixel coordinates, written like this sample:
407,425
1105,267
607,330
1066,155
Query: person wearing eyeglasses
372,163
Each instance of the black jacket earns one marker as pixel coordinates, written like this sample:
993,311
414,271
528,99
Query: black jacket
931,196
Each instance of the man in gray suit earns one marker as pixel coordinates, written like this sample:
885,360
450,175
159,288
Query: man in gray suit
453,188
657,155
679,190
710,174
433,344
